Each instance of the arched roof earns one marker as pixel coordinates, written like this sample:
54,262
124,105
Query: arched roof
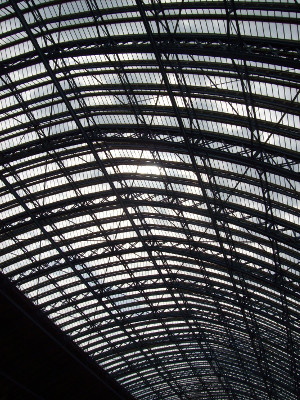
150,187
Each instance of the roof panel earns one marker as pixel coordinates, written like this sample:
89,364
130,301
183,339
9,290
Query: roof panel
150,187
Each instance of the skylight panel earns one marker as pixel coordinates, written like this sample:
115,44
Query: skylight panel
149,186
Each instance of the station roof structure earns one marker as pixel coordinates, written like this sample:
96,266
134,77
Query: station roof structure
149,187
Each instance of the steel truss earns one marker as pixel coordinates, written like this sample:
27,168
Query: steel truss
150,187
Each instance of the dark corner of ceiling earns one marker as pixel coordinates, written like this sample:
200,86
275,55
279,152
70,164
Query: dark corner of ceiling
38,361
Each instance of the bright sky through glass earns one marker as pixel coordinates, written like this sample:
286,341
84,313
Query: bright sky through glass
149,191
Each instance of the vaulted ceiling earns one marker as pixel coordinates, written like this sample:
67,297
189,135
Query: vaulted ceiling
149,187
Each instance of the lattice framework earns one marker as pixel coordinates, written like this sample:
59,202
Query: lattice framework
150,187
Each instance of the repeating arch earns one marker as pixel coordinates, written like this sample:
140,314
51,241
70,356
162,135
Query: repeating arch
149,187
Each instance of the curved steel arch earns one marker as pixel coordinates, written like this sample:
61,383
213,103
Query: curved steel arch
150,187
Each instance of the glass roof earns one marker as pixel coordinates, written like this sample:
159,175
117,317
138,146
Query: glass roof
149,187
